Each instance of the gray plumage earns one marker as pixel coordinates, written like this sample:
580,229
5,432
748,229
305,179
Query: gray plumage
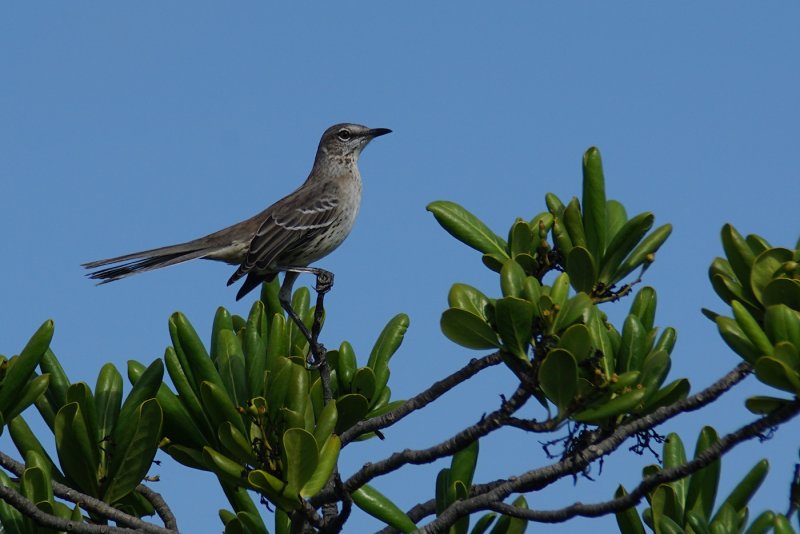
296,231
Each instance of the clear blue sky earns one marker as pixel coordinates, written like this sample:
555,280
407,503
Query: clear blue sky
126,126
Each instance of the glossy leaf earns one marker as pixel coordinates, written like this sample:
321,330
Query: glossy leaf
775,373
582,269
328,455
623,244
782,291
512,279
132,459
643,252
594,202
628,520
468,330
20,372
578,341
467,298
386,345
514,318
108,399
558,376
766,267
467,228
380,507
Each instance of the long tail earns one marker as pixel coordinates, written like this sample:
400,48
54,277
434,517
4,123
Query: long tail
147,260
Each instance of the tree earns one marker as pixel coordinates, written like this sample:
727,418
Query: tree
269,410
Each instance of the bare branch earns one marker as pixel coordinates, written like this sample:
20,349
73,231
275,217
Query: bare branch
712,453
541,477
448,447
422,399
87,502
162,508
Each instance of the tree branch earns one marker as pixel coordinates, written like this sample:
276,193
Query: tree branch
162,508
541,477
27,508
712,453
422,399
86,502
448,447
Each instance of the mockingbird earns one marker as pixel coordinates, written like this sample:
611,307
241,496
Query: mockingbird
288,236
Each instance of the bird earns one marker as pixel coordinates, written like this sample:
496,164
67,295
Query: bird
288,236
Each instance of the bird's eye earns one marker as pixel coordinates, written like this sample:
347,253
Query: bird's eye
344,135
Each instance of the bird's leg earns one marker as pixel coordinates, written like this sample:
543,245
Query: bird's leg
323,285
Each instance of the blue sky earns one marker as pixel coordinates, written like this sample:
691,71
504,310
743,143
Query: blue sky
135,125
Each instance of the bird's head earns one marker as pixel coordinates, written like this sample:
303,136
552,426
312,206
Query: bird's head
347,140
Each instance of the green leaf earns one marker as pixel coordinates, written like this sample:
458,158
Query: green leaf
775,373
351,409
746,488
236,444
387,344
736,339
467,228
644,307
594,202
643,252
766,267
573,310
364,383
380,507
33,391
302,457
574,224
623,244
346,366
462,466
219,407
274,489
199,366
616,217
578,341
514,318
512,279
512,525
255,350
328,455
740,255
520,238
782,291
77,449
628,520
763,405
702,489
131,460
467,298
634,345
231,364
673,392
59,383
582,269
108,398
21,368
558,377
468,330
619,405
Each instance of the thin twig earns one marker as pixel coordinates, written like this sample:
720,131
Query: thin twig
421,400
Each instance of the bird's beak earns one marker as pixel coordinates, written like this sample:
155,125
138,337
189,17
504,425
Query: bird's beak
377,132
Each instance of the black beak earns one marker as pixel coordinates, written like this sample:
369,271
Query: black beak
377,132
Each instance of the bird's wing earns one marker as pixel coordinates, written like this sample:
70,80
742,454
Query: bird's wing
287,227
